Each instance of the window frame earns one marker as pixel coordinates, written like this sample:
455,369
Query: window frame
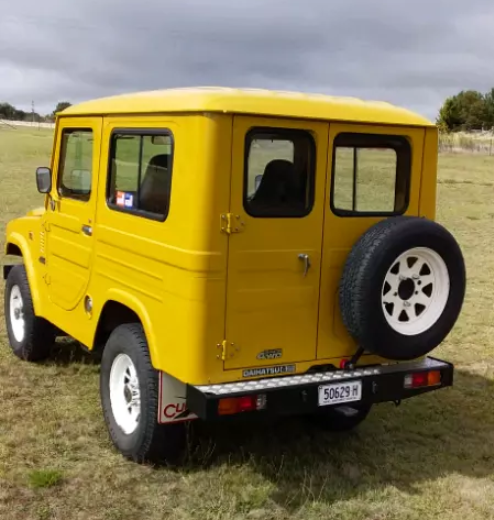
384,141
142,132
61,166
282,132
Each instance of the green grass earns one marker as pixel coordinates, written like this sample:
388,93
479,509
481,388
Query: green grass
44,478
431,458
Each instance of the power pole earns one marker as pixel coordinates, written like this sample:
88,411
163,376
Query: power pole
32,110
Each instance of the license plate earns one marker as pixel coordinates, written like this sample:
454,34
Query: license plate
340,393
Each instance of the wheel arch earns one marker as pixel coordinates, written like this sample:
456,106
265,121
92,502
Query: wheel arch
17,245
12,249
121,308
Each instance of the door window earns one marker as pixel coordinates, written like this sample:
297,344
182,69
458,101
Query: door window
76,164
279,173
371,174
140,173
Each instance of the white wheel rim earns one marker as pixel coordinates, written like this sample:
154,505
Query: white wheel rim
125,395
17,321
415,291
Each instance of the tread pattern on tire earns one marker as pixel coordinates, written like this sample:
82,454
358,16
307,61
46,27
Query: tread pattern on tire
39,333
152,442
372,249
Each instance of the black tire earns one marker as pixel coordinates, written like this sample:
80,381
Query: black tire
341,418
150,441
362,286
39,334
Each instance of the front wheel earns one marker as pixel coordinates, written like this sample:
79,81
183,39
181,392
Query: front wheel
30,336
129,390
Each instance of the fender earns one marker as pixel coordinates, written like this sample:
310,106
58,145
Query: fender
135,305
21,242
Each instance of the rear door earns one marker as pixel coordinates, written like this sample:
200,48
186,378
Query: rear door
277,211
374,173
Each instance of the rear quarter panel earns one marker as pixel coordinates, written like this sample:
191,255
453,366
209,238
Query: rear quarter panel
428,187
172,273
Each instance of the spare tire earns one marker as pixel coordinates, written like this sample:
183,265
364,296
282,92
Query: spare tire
402,287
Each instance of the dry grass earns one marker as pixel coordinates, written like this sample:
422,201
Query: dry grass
467,142
430,458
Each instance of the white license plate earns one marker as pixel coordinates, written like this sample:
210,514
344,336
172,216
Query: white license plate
340,393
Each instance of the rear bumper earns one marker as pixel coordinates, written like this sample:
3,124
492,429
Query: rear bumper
299,394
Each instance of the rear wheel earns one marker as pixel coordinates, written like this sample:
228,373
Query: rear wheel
341,418
30,336
129,390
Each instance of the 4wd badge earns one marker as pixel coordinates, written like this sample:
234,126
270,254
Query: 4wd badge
275,353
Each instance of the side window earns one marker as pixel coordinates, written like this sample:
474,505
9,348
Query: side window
76,164
371,174
140,173
279,173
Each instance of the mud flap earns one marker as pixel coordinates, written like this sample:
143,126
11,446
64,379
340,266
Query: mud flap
172,406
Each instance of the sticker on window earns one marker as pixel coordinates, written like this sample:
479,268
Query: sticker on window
124,199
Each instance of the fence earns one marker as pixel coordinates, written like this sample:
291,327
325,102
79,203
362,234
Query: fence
481,142
30,124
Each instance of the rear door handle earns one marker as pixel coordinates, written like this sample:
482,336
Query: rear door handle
87,230
306,259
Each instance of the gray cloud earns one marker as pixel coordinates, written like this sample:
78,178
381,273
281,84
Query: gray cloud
413,54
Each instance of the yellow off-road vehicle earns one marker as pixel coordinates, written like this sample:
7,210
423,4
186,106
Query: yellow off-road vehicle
238,253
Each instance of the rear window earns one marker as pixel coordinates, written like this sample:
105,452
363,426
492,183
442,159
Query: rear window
279,173
371,174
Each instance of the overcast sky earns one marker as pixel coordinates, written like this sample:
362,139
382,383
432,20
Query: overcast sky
411,53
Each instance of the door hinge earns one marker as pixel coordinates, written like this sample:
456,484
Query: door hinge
227,350
231,223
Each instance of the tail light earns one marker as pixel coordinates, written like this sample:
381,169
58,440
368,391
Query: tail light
245,403
422,379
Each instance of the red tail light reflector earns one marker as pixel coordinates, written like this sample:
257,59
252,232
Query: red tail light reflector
422,379
246,403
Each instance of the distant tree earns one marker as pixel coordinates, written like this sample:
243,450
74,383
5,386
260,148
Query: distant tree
489,106
19,115
61,105
7,111
467,110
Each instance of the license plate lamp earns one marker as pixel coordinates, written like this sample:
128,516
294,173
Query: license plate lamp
422,379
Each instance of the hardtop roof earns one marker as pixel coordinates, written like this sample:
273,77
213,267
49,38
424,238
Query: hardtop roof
250,101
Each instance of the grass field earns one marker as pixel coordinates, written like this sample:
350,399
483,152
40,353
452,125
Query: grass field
431,458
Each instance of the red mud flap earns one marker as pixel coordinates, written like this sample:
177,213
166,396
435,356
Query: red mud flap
309,392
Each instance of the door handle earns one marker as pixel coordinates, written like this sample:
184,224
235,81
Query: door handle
306,259
87,230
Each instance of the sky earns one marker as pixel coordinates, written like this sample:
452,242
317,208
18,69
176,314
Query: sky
413,53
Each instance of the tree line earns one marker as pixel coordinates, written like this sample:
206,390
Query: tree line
11,113
467,110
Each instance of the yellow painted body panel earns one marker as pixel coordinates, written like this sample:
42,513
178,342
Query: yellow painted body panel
260,102
195,288
69,251
26,234
270,304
